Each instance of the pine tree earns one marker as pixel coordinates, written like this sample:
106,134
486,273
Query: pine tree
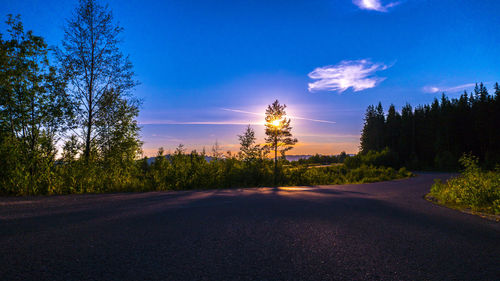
278,131
248,149
393,128
369,134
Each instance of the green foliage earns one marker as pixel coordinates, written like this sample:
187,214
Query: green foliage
38,110
340,174
191,171
250,151
34,111
475,189
384,158
182,171
322,159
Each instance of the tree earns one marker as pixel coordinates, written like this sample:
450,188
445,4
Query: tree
393,128
278,132
34,110
216,150
117,130
369,135
248,149
96,69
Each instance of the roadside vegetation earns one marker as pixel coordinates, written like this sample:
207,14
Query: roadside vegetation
474,189
442,136
183,171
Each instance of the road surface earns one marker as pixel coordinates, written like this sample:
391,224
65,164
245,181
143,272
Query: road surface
379,231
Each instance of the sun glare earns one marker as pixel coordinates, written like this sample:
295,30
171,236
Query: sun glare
276,123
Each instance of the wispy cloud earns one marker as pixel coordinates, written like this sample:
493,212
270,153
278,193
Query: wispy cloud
173,122
374,5
454,89
228,122
358,75
289,116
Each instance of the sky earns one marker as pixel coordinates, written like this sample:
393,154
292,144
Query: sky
209,68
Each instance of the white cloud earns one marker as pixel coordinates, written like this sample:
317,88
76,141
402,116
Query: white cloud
358,75
375,5
454,89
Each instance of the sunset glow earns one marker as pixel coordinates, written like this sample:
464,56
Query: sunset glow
204,80
276,123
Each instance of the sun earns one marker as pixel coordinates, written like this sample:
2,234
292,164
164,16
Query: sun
276,123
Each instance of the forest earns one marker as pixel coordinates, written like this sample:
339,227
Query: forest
460,134
434,136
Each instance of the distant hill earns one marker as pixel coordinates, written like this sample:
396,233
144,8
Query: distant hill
297,157
209,158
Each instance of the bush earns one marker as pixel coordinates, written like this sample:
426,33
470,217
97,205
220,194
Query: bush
384,158
475,189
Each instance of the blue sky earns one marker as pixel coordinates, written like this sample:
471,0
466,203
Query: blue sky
207,68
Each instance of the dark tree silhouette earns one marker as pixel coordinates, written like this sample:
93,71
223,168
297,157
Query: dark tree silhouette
248,149
372,137
95,67
278,131
436,135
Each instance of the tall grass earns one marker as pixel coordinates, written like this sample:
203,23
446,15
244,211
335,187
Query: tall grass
184,171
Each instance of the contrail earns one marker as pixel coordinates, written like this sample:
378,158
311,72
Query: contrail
291,117
172,122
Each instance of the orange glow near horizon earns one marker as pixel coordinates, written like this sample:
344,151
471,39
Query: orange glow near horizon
301,148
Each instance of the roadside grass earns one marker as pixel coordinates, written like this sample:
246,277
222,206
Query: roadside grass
340,174
475,189
193,172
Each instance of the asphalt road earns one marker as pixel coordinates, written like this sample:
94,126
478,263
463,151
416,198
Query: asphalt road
379,231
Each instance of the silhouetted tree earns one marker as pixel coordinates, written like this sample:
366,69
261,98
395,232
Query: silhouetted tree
248,149
278,131
393,128
372,137
96,68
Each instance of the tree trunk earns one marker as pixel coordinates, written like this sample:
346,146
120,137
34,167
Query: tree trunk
87,138
276,163
89,128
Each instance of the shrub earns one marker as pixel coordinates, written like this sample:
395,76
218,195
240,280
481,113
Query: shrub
475,189
384,158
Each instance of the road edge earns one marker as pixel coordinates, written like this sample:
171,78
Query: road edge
496,218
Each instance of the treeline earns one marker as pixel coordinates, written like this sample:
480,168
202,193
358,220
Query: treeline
435,136
323,159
